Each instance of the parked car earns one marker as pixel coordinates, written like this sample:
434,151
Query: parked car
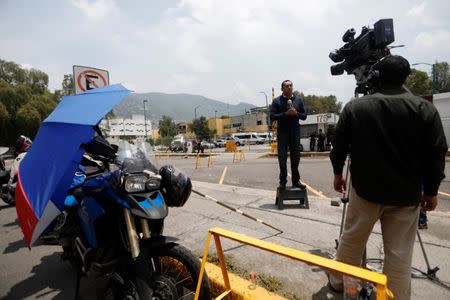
238,141
208,145
220,143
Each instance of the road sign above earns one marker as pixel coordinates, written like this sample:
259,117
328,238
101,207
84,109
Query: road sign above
87,78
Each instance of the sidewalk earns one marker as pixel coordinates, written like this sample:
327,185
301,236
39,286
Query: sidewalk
312,230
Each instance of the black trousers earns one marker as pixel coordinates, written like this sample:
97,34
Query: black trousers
289,140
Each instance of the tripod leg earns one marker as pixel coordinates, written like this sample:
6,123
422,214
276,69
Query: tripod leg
423,250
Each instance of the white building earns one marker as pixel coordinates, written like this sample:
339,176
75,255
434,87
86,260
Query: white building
128,127
442,103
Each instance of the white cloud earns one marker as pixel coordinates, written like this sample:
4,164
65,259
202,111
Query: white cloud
436,40
243,91
417,10
96,10
420,13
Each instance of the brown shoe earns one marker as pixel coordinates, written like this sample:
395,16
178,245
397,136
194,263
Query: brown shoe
299,185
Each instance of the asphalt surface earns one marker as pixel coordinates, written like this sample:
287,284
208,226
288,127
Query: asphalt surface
261,172
248,185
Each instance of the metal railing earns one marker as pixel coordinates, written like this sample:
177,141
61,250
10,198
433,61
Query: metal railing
378,280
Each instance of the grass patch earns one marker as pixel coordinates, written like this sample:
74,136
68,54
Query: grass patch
269,282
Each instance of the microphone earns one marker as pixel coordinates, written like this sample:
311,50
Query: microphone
290,103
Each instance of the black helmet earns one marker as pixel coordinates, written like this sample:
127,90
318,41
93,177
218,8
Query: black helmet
22,145
175,186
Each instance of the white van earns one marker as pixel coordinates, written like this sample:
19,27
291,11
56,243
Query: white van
249,138
266,136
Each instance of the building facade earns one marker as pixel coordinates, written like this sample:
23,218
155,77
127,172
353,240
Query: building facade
136,126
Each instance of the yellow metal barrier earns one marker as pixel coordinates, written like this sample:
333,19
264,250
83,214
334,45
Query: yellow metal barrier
230,146
198,158
238,155
379,280
274,147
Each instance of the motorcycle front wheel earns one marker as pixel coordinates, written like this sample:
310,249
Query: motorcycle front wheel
175,272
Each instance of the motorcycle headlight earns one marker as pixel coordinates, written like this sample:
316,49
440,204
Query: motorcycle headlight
153,183
135,183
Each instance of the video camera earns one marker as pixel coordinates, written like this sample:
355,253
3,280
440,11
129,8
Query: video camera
359,54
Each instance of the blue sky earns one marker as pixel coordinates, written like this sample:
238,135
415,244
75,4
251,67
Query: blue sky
225,50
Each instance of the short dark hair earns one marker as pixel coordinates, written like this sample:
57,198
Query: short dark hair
393,70
284,81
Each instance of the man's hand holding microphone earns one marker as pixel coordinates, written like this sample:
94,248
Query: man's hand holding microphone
292,112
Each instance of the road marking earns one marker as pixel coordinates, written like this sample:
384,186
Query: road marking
442,193
314,191
223,175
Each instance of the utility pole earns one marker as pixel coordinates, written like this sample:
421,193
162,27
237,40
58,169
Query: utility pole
268,117
195,112
215,121
145,121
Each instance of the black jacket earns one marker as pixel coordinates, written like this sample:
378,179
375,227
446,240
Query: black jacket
280,106
397,145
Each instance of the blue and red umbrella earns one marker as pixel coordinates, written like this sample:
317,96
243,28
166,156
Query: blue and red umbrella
46,172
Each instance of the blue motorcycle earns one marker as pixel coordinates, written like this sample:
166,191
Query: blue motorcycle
112,227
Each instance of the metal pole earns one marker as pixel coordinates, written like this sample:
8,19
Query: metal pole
195,112
145,121
268,117
433,78
215,121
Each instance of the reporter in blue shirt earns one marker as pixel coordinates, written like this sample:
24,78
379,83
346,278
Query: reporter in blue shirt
287,110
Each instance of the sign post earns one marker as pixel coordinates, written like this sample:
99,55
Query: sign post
87,78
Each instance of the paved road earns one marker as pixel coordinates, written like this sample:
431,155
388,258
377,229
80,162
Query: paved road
39,274
257,171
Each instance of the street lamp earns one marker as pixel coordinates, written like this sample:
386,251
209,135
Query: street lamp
215,121
195,111
145,120
433,74
268,117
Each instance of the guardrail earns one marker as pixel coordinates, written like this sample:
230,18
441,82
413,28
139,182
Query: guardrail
379,280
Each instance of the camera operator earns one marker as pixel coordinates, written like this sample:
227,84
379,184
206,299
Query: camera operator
287,109
396,142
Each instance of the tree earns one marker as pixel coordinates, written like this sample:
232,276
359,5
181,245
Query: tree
320,104
12,73
4,125
38,81
68,85
24,101
44,104
442,77
419,83
28,121
167,128
201,129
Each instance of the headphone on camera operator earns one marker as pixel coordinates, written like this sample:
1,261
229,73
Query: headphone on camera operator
373,76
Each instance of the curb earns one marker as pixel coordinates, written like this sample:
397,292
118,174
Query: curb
169,154
240,288
302,154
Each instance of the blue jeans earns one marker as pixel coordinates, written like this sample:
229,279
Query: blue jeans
423,217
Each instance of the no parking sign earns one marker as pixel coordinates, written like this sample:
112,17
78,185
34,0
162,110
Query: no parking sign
88,78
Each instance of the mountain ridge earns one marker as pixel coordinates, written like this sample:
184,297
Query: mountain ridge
180,107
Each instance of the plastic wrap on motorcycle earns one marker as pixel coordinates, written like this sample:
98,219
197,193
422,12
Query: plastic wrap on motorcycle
148,205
